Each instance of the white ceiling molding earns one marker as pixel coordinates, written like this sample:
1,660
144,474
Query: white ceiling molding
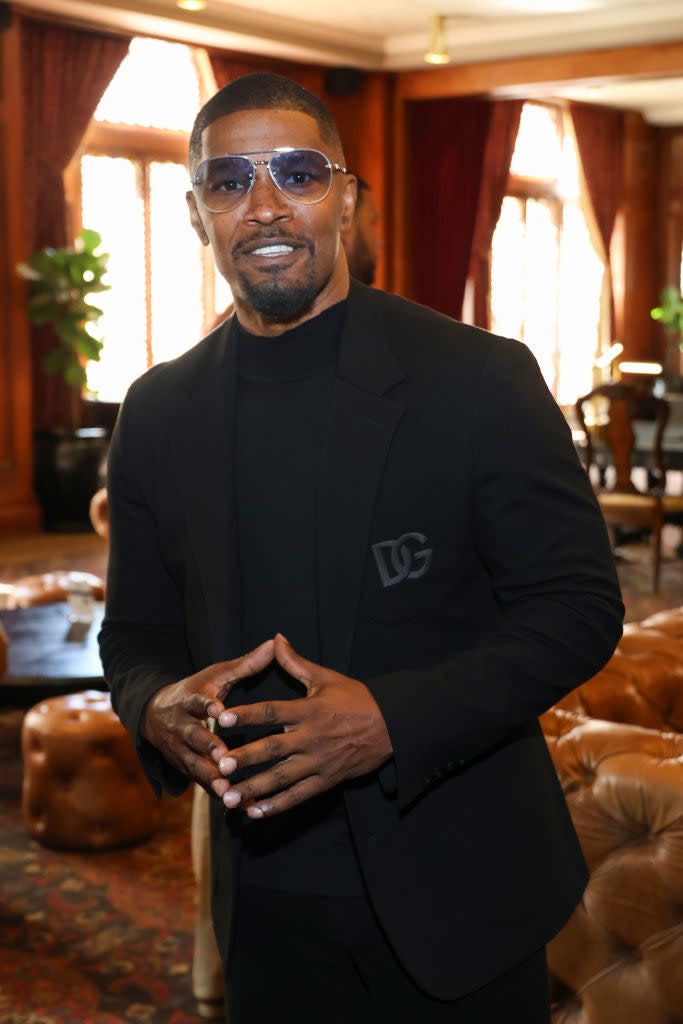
392,35
477,39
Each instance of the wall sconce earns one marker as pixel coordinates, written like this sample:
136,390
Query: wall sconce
641,369
437,52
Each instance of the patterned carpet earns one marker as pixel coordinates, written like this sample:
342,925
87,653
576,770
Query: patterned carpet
100,938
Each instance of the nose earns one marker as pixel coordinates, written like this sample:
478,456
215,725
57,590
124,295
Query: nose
265,202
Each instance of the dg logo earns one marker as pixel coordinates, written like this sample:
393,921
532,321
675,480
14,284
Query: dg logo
404,559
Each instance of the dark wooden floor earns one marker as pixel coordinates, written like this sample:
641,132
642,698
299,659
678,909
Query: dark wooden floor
47,552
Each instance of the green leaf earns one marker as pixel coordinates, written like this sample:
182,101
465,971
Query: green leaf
89,347
75,375
91,312
90,239
670,311
43,310
69,332
54,361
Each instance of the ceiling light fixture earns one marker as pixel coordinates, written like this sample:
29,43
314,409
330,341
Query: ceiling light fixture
191,5
437,52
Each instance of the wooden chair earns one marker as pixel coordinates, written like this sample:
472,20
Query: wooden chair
616,407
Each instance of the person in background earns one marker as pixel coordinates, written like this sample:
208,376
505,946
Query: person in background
361,239
355,534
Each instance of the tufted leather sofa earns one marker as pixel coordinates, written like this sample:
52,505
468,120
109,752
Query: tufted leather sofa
617,745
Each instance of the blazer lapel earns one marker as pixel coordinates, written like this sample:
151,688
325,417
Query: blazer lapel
207,487
362,423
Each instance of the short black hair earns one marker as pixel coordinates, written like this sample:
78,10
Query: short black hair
261,90
363,186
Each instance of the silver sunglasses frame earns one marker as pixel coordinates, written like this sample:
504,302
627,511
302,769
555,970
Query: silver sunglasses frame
334,168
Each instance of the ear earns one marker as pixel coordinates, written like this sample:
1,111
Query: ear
348,208
195,218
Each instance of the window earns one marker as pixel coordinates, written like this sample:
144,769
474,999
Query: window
546,273
129,184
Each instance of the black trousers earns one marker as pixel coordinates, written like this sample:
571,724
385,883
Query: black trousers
300,958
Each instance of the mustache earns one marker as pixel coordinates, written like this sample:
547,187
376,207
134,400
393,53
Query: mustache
270,237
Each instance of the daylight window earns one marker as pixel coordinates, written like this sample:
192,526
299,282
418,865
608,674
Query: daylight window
130,185
546,275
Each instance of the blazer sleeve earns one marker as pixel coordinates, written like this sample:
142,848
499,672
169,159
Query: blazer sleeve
142,640
541,538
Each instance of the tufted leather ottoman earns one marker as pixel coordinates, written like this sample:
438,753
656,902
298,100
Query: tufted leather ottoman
83,787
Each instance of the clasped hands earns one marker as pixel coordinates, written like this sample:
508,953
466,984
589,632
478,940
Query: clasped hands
334,732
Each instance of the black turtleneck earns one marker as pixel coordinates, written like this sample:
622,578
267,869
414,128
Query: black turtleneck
284,391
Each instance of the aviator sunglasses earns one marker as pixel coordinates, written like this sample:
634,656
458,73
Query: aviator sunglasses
304,175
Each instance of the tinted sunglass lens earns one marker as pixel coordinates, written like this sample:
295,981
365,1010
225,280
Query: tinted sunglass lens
303,174
224,181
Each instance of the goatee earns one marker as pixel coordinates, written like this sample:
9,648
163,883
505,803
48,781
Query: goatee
279,301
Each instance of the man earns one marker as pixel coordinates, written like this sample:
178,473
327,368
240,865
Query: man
360,238
355,534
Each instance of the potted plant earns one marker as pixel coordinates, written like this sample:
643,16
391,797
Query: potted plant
670,314
67,461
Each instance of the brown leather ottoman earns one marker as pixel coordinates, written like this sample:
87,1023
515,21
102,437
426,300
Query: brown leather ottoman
83,787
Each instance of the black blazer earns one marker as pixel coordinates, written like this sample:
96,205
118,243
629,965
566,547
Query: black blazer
464,574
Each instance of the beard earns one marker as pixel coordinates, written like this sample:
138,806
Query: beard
278,300
272,296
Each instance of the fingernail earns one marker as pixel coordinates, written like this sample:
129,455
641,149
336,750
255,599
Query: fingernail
227,765
255,812
227,718
232,798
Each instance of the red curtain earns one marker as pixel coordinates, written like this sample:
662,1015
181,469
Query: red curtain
500,146
65,71
600,140
445,158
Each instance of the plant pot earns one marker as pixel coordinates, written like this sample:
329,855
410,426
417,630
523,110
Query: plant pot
69,468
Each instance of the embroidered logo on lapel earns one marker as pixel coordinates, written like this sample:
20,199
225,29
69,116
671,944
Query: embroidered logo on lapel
402,559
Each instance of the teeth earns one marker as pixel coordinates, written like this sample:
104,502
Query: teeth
272,250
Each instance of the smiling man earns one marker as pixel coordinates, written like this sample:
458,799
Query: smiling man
355,534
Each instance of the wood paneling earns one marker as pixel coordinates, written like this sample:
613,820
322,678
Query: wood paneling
523,76
18,509
639,220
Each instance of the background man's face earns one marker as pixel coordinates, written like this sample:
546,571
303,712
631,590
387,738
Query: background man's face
281,258
362,242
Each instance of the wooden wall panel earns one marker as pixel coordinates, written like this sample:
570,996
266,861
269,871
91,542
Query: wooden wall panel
18,509
639,219
671,208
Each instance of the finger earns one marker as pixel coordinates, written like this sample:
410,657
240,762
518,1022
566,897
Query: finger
263,751
223,675
267,807
297,667
267,712
275,780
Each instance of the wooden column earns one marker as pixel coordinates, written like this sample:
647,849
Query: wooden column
671,206
18,508
639,238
